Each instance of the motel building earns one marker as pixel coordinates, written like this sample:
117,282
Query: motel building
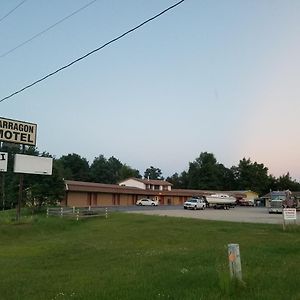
127,192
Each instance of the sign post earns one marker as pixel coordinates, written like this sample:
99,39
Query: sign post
20,198
18,132
28,164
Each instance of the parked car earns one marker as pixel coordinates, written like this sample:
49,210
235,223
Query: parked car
244,202
194,203
147,202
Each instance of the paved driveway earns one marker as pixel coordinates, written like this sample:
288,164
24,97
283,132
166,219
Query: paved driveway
237,214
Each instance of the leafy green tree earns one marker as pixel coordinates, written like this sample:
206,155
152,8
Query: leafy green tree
74,167
99,170
127,172
37,189
175,180
227,178
251,176
153,173
205,173
179,181
273,183
10,180
285,182
114,166
9,190
42,190
184,180
110,170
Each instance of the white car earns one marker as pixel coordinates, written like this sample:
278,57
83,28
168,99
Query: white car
194,203
148,202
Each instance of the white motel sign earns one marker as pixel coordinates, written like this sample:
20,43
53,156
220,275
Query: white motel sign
18,132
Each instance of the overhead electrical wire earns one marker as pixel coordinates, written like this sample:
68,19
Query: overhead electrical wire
47,29
93,51
10,12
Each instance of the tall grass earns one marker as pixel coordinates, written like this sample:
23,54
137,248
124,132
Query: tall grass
145,257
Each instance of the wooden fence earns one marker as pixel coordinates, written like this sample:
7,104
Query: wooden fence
80,212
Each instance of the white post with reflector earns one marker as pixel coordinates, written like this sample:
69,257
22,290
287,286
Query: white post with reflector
234,258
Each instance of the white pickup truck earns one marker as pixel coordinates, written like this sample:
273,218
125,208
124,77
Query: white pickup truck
194,203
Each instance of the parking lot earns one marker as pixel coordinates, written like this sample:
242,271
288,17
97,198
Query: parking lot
237,214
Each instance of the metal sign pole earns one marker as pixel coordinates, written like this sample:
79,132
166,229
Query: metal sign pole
3,169
2,183
20,198
3,191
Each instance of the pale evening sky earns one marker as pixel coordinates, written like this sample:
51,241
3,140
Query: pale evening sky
215,76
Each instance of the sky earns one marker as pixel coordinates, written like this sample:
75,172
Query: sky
214,76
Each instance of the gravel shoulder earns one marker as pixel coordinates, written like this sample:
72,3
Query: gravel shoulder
237,214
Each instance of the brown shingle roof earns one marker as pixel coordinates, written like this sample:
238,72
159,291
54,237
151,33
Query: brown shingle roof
81,186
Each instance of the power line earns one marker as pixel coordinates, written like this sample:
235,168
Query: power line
10,12
93,51
47,29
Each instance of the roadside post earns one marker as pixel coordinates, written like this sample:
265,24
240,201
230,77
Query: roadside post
234,258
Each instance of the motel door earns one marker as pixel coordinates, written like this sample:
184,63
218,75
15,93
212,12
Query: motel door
116,199
91,199
161,200
94,199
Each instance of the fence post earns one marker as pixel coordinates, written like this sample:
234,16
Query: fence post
47,212
89,208
106,213
61,212
73,209
235,261
77,215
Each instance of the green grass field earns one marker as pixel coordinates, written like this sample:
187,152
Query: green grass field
130,256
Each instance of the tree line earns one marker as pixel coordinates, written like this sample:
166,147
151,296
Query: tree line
204,173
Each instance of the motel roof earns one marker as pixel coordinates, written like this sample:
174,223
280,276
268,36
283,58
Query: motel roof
80,186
